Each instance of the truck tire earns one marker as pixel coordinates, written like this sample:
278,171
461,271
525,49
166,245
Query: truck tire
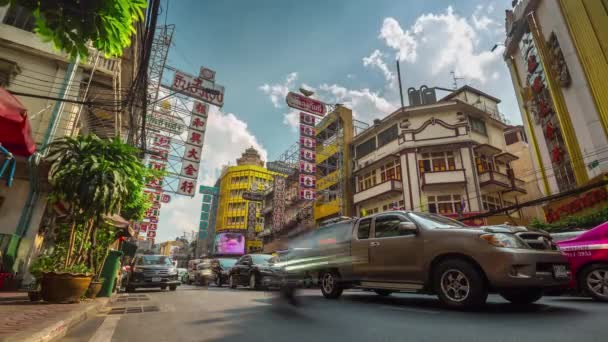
172,287
330,284
459,284
522,296
592,281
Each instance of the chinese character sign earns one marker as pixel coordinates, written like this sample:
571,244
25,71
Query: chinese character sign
278,202
195,138
201,89
190,169
187,186
193,153
200,109
308,156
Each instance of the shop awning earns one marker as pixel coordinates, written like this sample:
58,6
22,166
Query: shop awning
15,130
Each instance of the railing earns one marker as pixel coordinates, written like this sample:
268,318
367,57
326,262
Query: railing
495,114
494,176
443,177
382,188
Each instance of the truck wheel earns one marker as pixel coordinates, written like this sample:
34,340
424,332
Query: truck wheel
594,281
383,293
330,284
522,296
232,282
173,287
460,285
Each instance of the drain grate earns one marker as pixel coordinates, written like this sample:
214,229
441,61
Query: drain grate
133,309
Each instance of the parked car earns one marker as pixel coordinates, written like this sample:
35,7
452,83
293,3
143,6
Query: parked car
152,271
427,253
192,270
588,256
255,271
204,272
221,268
182,275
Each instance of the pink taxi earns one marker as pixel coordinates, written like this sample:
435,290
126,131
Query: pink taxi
588,255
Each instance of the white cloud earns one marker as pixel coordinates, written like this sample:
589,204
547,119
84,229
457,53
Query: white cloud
480,20
443,42
376,59
365,103
277,92
292,119
350,76
226,138
399,40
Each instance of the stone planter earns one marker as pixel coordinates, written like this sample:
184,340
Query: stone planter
64,287
94,289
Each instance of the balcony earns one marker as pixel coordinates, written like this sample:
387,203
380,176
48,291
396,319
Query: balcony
385,189
494,181
442,178
518,187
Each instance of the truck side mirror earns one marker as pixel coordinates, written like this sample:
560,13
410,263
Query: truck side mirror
408,227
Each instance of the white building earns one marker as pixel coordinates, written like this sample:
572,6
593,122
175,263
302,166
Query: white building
442,157
32,67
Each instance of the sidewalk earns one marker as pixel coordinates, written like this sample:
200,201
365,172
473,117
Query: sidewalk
25,321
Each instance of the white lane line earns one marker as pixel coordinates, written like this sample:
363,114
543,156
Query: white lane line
106,330
399,308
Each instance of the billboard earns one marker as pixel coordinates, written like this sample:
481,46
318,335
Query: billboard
306,104
230,243
198,88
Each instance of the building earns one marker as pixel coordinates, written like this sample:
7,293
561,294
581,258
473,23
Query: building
447,157
172,248
232,223
334,189
557,53
523,167
206,231
41,75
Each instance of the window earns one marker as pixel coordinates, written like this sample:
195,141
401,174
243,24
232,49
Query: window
393,205
363,231
388,226
444,204
366,148
154,260
484,163
390,170
388,135
437,162
20,17
511,138
435,221
370,211
477,125
367,180
490,202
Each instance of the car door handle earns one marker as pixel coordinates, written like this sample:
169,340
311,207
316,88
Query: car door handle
374,244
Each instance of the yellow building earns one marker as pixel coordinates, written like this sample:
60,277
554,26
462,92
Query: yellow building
557,53
232,210
170,247
334,189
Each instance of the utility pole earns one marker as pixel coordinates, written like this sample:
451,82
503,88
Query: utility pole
455,80
400,87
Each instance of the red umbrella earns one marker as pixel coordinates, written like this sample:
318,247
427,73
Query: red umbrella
15,130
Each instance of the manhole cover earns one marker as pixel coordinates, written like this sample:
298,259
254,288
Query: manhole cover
133,309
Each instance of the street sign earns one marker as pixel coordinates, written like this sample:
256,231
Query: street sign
280,167
201,89
306,104
253,196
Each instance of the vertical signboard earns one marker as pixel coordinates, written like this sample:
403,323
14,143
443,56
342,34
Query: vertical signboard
251,219
307,157
207,212
278,202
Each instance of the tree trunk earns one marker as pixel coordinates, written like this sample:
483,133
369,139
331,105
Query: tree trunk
91,251
80,255
72,241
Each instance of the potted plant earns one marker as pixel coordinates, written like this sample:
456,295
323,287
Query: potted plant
94,179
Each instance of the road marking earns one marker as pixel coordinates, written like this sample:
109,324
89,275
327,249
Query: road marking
400,308
105,332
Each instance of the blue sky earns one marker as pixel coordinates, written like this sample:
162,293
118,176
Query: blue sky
343,49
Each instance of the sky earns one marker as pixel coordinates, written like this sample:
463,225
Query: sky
344,50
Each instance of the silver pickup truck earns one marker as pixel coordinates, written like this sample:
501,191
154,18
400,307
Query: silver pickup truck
401,251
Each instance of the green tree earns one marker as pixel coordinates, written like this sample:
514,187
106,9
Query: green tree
70,24
96,177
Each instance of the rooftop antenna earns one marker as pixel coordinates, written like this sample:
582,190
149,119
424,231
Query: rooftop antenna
455,80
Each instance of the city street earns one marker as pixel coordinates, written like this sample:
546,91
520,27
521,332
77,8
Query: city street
197,314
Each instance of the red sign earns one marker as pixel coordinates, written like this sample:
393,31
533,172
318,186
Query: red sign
306,104
152,234
561,210
153,219
195,138
198,88
165,198
162,141
156,205
152,227
143,227
207,74
200,108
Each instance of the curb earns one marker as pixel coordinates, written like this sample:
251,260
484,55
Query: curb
60,328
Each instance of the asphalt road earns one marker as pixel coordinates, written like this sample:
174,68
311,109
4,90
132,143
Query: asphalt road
214,314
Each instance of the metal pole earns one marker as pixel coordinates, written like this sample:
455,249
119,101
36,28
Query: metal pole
400,88
58,109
